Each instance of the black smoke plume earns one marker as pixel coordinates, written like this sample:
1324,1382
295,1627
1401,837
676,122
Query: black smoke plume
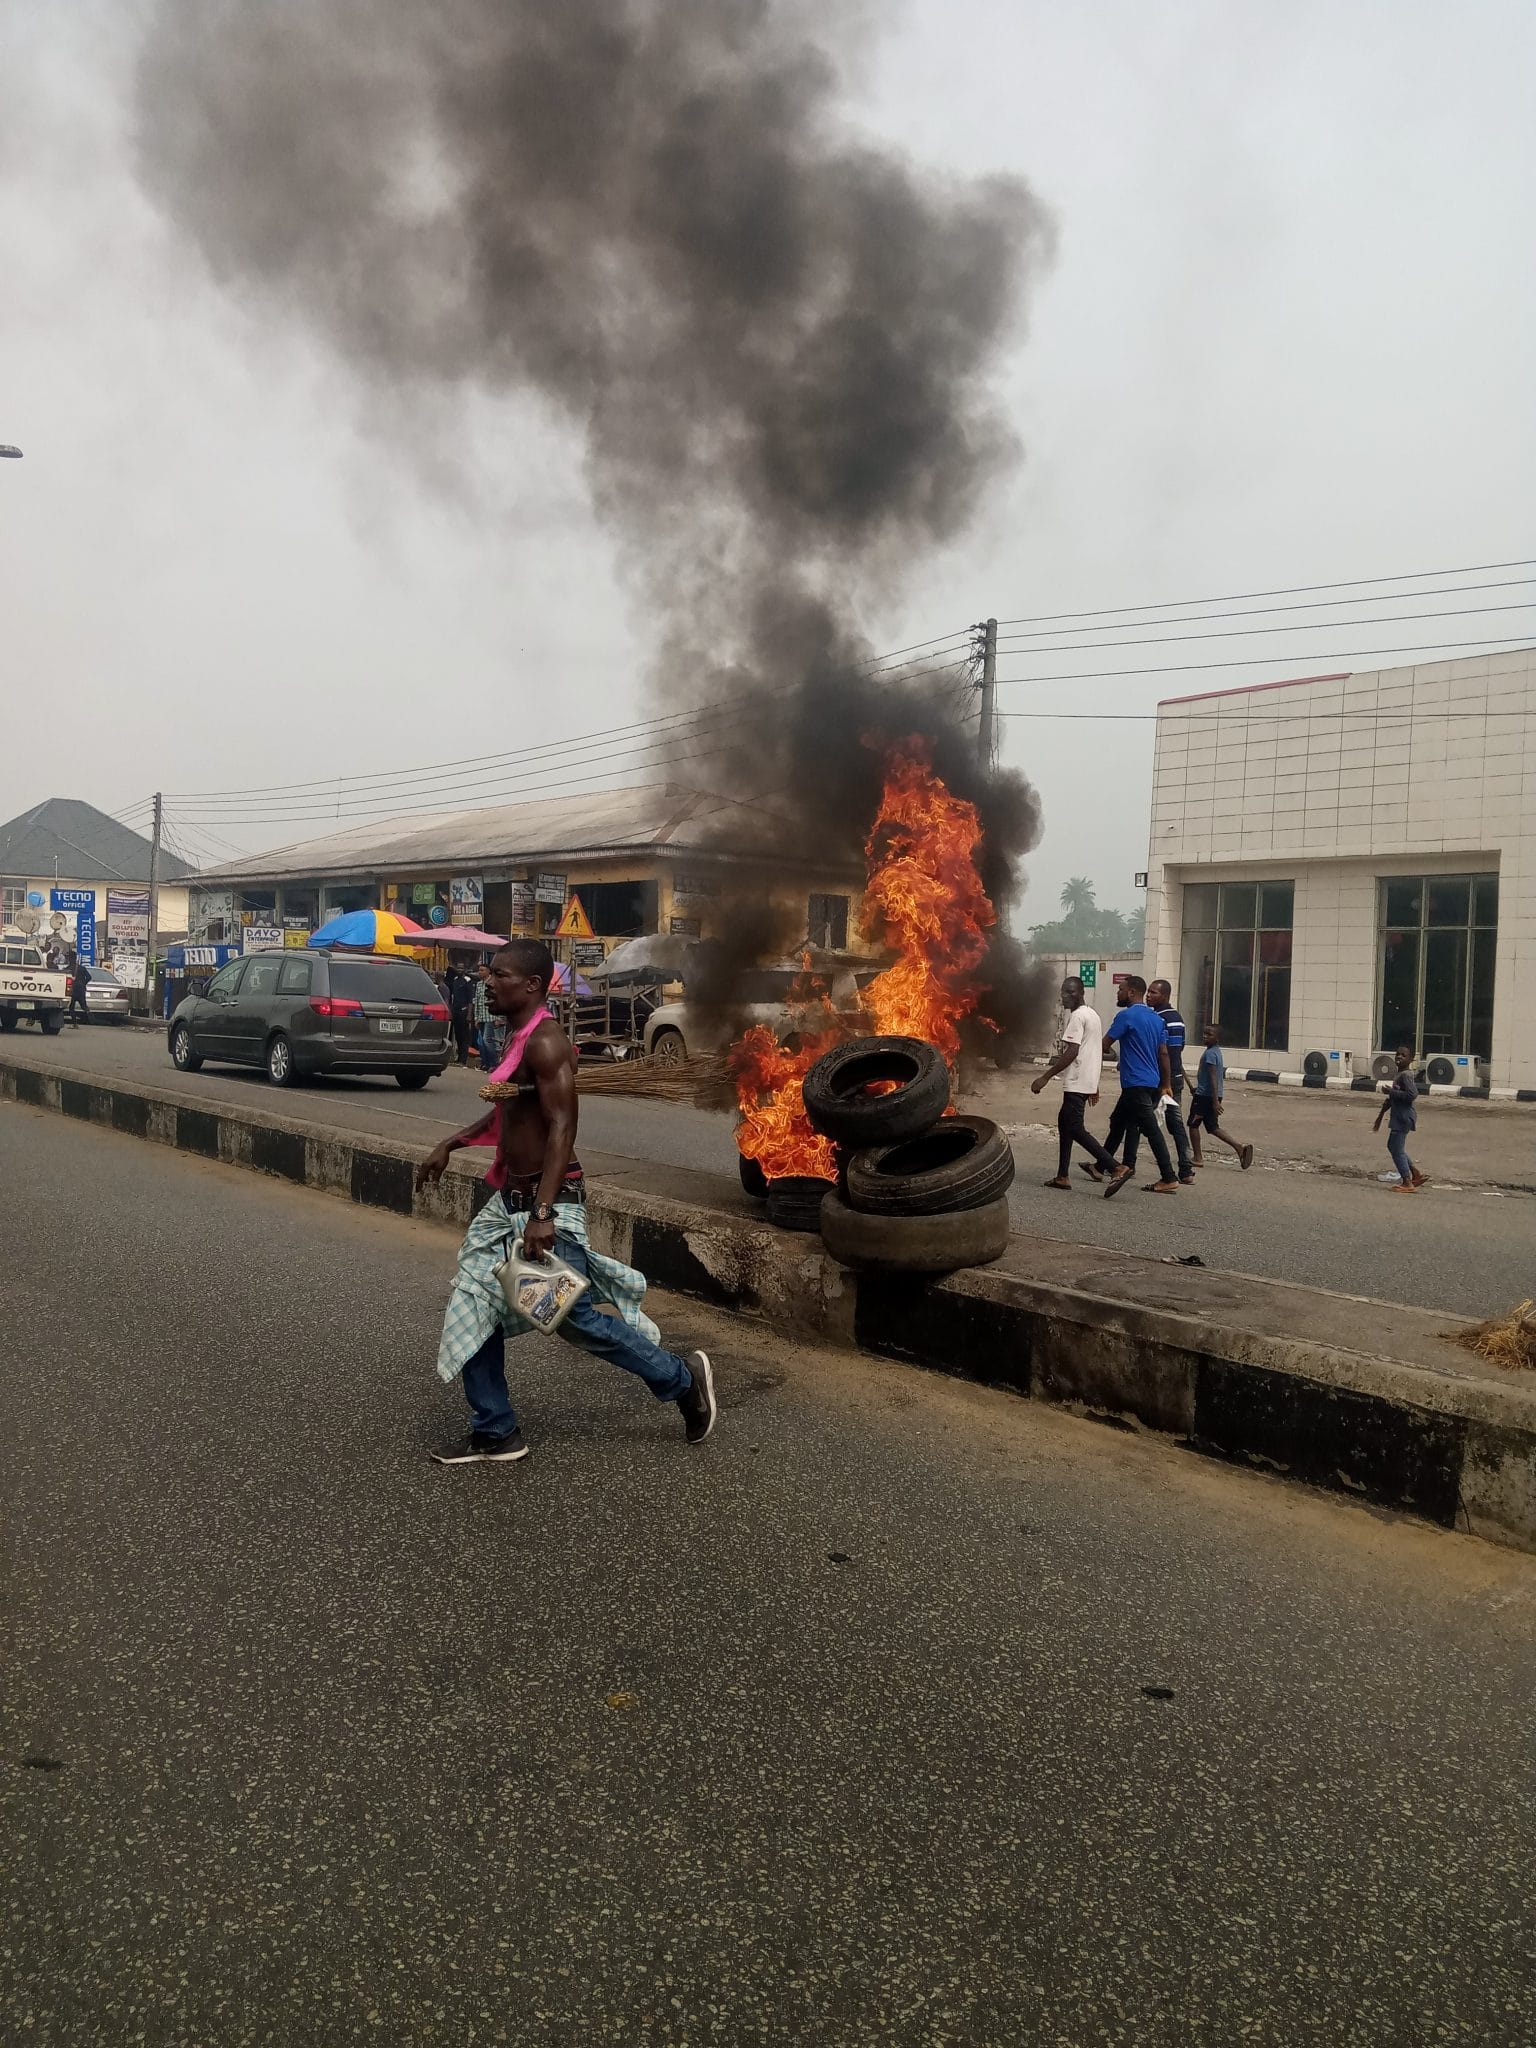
773,336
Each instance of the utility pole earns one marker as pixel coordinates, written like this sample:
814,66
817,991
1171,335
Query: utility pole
154,901
986,736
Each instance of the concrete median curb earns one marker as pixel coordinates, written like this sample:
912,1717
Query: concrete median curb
1452,1445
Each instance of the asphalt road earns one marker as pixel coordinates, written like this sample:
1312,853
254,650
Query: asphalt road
1463,1247
900,1712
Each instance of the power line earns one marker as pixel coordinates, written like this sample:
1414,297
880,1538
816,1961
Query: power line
458,788
1377,715
1240,596
1315,625
411,779
1248,632
444,767
318,801
958,634
1180,668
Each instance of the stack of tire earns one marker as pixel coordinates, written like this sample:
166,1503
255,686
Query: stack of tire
918,1191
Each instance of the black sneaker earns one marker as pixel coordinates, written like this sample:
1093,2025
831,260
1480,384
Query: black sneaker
476,1449
698,1404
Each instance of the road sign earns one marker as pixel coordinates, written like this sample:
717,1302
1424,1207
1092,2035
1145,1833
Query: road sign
1088,973
575,924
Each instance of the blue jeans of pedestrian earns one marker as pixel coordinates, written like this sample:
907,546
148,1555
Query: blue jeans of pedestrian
586,1327
489,1045
1397,1145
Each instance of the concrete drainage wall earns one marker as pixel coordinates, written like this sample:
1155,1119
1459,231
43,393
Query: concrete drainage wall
1455,1450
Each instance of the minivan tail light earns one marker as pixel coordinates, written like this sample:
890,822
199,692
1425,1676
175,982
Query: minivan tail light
335,1006
434,1013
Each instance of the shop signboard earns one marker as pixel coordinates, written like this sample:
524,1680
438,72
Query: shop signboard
549,889
523,901
130,968
466,898
128,917
694,888
85,935
684,927
72,899
295,936
423,892
1088,973
261,938
588,953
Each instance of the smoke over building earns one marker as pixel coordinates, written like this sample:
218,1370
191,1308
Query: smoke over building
773,336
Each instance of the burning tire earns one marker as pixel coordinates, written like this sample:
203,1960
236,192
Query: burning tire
754,1181
964,1162
794,1203
838,1107
914,1244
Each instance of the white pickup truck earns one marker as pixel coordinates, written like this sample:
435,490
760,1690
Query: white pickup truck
29,989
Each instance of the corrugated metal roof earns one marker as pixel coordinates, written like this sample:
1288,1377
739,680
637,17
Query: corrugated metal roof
66,837
464,842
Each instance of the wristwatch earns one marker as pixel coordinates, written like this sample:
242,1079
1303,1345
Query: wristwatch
541,1212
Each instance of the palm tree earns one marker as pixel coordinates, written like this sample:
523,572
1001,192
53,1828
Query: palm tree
1077,898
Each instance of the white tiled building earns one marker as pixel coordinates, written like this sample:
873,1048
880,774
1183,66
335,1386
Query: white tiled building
1347,863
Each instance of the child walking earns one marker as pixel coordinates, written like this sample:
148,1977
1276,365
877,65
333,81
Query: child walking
1403,1117
1205,1108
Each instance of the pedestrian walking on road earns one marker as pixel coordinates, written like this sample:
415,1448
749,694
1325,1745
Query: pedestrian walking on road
1080,1062
461,1009
539,1196
488,1033
79,982
1403,1117
1205,1105
1145,1084
1160,999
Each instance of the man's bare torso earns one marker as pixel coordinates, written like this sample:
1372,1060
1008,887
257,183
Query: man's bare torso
522,1137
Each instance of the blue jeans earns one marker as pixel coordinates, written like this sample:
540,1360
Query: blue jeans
1397,1145
589,1329
489,1043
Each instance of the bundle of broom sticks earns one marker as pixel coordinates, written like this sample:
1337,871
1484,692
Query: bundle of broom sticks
659,1080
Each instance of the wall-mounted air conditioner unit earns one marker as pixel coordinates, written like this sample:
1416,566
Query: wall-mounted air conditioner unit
1456,1070
1329,1066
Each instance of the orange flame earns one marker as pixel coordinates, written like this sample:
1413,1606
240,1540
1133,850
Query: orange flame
923,898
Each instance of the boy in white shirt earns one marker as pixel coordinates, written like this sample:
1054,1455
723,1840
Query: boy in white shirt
1079,1062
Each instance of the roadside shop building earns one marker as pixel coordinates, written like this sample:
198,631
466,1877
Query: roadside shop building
71,872
1347,863
660,859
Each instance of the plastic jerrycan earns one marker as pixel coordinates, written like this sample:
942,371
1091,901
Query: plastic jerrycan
542,1290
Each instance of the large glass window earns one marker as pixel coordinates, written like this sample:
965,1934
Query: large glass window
1235,961
1437,935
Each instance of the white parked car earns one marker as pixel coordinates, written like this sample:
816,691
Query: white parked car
676,1031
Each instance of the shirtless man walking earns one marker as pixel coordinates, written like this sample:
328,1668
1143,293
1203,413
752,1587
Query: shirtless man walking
539,1197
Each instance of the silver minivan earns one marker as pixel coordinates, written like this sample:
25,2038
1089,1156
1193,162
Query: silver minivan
299,1014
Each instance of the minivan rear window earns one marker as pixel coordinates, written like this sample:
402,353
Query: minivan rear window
383,981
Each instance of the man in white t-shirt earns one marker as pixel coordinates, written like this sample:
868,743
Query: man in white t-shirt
1079,1063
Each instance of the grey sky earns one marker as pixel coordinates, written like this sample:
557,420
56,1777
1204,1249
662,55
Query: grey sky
1287,339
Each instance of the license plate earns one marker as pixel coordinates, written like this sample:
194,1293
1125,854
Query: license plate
26,1006
396,1024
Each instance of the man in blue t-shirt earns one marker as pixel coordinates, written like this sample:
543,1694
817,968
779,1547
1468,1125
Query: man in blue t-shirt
1160,999
1145,1079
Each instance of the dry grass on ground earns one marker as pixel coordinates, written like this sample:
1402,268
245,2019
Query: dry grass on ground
1508,1340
